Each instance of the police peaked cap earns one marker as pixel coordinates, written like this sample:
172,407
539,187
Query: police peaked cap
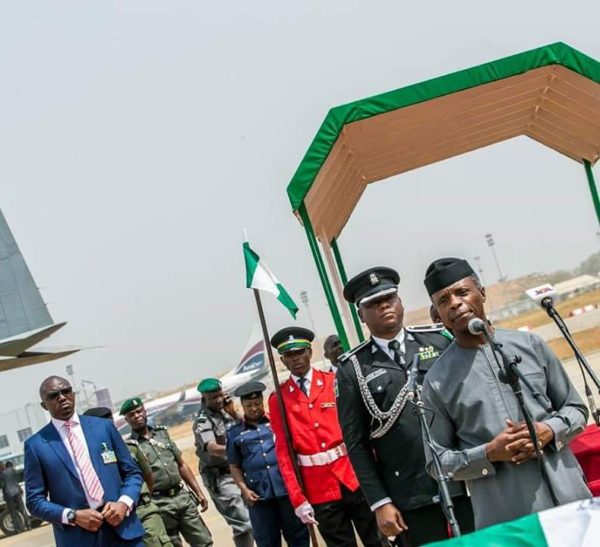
250,390
444,272
292,339
370,284
129,405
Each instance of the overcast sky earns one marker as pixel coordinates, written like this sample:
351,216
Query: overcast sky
137,139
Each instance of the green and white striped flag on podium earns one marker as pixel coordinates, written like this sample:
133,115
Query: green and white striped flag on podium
258,276
576,524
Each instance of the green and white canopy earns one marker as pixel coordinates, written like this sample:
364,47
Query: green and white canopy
550,94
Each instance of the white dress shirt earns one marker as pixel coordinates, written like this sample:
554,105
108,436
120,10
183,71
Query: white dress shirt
78,431
307,380
383,344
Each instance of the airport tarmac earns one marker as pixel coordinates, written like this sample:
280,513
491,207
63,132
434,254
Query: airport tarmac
42,537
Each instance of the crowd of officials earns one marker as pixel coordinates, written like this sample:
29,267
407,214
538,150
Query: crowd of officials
340,450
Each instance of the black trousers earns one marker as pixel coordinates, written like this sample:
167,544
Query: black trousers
427,524
272,517
18,513
335,520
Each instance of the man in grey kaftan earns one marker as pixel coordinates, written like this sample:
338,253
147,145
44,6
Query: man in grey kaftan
477,417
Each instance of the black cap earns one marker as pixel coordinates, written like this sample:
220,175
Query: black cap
292,339
370,284
99,412
444,272
250,390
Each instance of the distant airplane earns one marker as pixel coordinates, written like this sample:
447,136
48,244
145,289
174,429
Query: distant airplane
252,366
182,405
24,317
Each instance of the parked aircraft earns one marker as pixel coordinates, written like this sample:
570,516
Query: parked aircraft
184,404
24,317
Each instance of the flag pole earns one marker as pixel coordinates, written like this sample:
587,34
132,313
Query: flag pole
286,427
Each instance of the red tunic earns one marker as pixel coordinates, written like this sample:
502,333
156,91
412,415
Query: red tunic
314,428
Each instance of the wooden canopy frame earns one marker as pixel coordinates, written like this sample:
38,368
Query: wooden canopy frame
550,94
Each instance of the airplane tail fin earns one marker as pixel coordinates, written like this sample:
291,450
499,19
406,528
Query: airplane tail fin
253,356
22,308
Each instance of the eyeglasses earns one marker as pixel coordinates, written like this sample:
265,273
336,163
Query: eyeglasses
65,391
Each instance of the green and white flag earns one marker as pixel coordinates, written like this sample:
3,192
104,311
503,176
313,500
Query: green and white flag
258,276
576,524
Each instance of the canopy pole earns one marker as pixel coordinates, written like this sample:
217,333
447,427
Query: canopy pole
342,271
314,247
338,285
593,188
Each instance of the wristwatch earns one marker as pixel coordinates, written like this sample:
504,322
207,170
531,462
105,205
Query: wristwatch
71,516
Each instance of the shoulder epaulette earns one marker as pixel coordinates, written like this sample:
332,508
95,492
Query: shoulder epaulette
159,428
131,442
435,327
343,358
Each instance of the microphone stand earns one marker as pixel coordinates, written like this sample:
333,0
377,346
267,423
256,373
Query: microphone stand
584,366
442,480
511,375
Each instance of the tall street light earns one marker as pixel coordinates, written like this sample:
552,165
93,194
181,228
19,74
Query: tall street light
477,259
490,241
304,300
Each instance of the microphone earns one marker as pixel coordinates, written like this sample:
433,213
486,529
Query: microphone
477,326
412,377
542,295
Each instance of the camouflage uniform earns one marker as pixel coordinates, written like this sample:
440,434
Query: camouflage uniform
209,426
176,505
155,533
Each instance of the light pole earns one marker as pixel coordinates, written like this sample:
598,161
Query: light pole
477,259
304,300
490,241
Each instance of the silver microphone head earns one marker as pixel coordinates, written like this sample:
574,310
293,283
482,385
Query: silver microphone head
477,326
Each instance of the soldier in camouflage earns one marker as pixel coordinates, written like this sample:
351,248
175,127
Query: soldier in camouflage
177,504
216,416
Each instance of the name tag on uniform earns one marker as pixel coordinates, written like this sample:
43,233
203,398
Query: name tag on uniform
327,405
376,374
108,456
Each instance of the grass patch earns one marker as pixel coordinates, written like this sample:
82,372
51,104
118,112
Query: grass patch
539,317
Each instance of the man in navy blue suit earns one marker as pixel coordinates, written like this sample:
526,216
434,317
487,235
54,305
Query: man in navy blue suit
79,475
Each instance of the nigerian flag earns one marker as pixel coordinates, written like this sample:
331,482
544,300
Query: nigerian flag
258,276
576,524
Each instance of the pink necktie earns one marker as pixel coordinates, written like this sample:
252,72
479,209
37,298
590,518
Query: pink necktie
91,482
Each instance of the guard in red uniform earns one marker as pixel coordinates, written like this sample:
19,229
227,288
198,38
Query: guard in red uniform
332,497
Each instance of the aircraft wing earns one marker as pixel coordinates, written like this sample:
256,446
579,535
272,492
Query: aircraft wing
28,358
16,345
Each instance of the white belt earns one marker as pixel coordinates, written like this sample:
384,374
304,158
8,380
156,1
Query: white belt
322,458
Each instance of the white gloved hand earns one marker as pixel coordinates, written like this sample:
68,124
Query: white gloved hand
306,513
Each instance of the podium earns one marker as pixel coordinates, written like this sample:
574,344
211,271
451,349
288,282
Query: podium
586,447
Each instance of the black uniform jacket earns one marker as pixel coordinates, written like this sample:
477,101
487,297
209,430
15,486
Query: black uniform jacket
392,466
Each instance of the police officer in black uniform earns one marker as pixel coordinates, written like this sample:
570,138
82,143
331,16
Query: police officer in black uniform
381,430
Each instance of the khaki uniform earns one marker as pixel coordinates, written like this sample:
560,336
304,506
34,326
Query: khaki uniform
176,505
155,533
209,426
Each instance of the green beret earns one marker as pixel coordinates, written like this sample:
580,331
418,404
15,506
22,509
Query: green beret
209,385
130,404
